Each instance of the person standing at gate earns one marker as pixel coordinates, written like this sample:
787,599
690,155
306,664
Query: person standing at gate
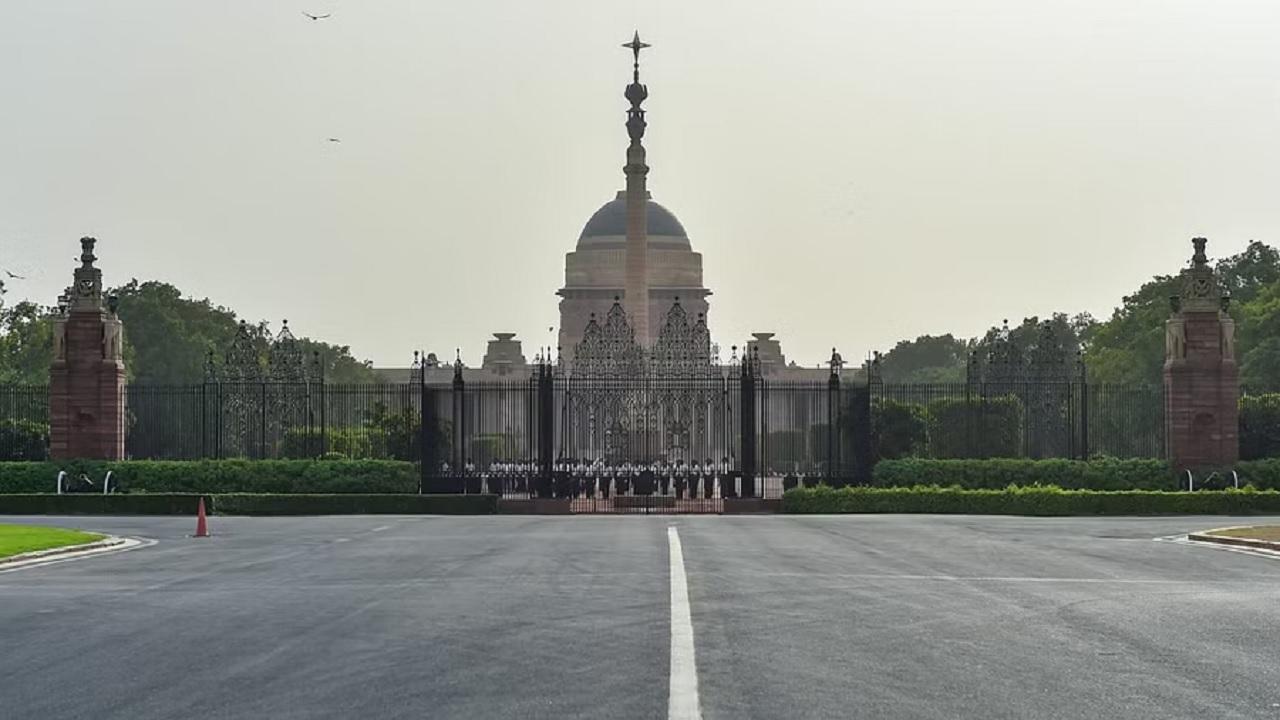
624,478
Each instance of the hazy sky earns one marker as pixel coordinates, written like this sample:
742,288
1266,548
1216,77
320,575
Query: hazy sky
853,172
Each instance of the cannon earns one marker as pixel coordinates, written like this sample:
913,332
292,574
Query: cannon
83,484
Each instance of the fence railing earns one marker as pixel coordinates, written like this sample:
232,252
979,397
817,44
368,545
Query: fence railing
762,427
1046,419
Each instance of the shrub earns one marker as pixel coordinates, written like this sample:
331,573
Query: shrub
247,504
981,427
354,504
24,440
1261,474
1027,501
51,504
1260,426
351,442
995,473
898,429
215,476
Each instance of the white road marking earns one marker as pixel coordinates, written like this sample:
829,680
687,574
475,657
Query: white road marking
1256,552
979,578
682,703
129,544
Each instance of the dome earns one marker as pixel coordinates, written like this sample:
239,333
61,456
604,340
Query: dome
608,226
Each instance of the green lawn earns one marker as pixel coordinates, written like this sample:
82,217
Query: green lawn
15,539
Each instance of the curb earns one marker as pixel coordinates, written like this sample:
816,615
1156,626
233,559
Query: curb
1238,542
108,543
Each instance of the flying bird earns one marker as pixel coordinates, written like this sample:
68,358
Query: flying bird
335,140
15,277
316,17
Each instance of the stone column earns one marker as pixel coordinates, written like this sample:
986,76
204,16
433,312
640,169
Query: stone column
636,297
86,380
1201,379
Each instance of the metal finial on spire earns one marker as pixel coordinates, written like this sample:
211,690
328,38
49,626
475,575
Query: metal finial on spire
636,93
636,46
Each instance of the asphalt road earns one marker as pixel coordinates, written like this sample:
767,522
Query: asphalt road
543,617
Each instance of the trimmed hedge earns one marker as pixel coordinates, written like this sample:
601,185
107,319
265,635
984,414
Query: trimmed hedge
248,504
997,473
353,504
1262,474
222,476
1096,474
52,504
990,427
1028,501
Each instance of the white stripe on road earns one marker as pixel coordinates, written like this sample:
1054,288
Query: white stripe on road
682,703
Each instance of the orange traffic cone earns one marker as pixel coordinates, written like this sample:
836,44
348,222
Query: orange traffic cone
202,524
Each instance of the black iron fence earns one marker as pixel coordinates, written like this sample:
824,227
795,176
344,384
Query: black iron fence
749,433
1045,419
24,422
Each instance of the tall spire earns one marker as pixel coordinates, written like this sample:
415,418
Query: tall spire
637,195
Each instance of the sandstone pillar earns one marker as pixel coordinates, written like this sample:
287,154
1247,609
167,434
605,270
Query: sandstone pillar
636,297
1201,379
86,380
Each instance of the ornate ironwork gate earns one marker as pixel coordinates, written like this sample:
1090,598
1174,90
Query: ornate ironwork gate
618,428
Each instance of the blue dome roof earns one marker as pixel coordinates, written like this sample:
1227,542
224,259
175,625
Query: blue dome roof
610,222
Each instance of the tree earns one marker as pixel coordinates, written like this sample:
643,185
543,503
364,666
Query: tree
340,366
168,338
926,359
1060,338
1259,341
1129,347
26,344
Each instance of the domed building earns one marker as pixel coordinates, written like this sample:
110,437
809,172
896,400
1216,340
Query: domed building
594,272
632,249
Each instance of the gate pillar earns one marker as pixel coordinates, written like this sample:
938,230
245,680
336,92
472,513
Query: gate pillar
546,429
748,417
1201,379
86,379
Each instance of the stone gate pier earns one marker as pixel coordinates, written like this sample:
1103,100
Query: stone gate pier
1201,379
86,380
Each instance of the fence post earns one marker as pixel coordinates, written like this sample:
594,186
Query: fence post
546,425
864,457
204,419
833,416
427,428
324,429
459,420
1084,411
262,424
747,415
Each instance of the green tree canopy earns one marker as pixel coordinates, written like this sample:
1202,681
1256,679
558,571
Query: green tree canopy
1129,347
168,339
928,358
26,343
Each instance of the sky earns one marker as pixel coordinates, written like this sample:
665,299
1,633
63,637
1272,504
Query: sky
853,172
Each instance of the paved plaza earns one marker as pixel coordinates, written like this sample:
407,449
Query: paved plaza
543,617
